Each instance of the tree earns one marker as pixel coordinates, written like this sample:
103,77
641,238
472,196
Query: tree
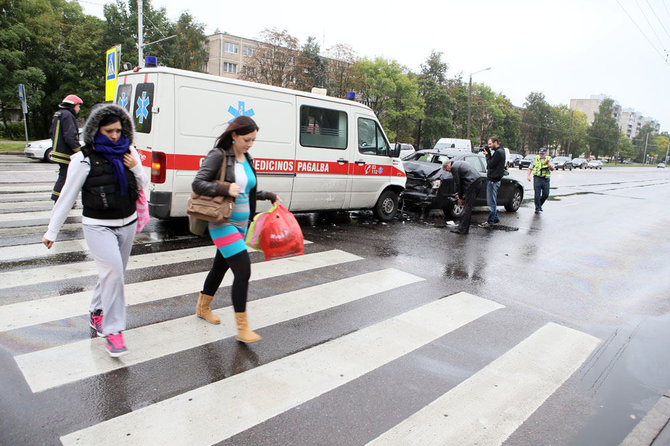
391,93
438,105
312,68
339,77
275,61
191,52
54,50
645,142
535,122
625,148
604,132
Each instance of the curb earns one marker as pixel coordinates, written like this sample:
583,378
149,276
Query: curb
654,426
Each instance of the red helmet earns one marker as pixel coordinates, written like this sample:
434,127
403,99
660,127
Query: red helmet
72,99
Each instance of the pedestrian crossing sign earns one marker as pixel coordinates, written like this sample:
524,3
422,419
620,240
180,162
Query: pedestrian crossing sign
112,69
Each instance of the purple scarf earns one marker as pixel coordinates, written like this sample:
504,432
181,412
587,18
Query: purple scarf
113,152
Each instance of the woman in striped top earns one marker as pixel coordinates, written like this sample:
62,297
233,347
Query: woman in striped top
240,182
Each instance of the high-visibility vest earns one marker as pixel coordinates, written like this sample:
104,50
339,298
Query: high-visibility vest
541,167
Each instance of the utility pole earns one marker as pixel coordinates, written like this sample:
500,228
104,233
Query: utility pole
140,35
666,152
644,161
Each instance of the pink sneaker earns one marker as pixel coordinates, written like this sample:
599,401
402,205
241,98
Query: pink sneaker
95,321
115,345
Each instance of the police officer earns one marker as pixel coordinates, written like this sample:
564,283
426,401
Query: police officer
541,171
64,133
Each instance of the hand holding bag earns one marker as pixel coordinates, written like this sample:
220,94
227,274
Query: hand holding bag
215,209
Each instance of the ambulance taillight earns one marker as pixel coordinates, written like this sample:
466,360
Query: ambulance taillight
158,167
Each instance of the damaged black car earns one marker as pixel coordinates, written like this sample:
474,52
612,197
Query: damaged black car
431,187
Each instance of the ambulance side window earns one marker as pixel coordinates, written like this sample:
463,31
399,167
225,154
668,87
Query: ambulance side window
124,95
142,105
322,127
371,139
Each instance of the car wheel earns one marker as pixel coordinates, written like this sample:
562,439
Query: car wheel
47,156
386,206
514,204
454,210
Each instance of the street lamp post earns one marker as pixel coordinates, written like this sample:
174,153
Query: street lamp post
470,98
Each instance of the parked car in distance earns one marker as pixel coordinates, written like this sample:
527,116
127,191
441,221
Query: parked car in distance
41,149
431,187
594,164
661,165
562,162
513,159
405,149
579,163
526,161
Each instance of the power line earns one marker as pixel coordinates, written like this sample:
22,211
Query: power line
650,26
665,59
657,18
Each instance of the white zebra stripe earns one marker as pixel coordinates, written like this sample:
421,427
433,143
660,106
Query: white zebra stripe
488,407
72,362
271,389
24,314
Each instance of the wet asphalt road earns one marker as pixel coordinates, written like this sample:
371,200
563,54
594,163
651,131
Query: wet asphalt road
595,261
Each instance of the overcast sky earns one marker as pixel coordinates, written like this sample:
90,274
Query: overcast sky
564,49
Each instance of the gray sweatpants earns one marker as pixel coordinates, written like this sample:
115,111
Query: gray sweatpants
110,247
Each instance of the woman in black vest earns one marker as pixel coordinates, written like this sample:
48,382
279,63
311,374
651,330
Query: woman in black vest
109,175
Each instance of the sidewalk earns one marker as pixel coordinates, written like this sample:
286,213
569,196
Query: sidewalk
654,428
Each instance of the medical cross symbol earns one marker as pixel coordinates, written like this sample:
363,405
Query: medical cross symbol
123,100
142,104
240,111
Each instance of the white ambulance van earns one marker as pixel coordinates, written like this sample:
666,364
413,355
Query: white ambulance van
316,152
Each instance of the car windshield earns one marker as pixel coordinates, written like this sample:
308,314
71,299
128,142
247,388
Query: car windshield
529,157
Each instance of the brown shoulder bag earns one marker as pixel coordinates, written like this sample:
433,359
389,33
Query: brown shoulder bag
215,209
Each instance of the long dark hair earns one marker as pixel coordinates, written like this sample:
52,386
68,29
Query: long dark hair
242,125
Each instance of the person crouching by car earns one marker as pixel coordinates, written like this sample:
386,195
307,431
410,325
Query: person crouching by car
109,175
467,185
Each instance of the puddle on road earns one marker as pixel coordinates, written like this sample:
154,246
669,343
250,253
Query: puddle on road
628,376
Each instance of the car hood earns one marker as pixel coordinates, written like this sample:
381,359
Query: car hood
420,169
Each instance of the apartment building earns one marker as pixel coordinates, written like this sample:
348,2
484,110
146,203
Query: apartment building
630,122
228,54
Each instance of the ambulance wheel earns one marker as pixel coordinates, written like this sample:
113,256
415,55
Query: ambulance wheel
386,206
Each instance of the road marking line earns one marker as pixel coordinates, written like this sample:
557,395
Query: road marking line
18,205
76,270
271,389
33,188
24,314
24,196
488,407
34,215
16,231
64,364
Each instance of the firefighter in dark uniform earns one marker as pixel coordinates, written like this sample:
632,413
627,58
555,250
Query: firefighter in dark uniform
64,133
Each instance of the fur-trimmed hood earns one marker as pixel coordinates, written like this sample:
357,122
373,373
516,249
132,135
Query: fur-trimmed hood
98,113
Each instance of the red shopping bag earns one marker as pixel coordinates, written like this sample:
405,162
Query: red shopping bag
281,235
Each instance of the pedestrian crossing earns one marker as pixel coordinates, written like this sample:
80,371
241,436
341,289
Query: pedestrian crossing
485,408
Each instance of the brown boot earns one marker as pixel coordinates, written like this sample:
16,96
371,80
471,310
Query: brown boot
203,311
244,333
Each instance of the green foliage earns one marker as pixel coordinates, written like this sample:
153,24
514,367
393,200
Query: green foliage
312,68
439,105
535,123
604,133
386,88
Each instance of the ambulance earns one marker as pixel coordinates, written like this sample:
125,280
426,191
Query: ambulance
317,152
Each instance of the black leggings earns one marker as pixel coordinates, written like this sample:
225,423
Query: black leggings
241,266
